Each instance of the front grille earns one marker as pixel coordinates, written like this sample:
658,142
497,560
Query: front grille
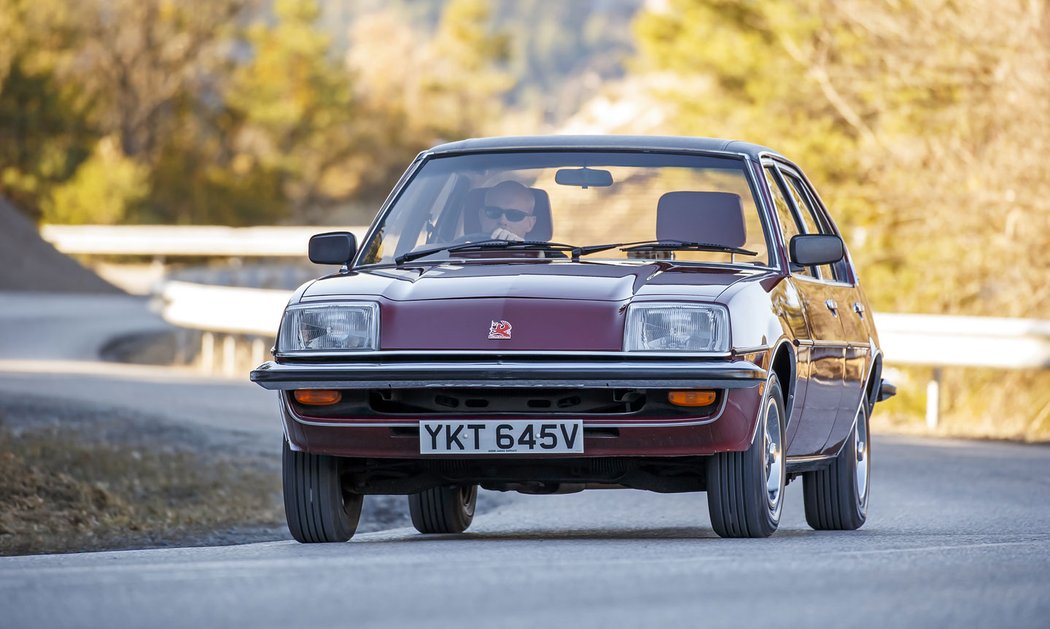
517,401
492,402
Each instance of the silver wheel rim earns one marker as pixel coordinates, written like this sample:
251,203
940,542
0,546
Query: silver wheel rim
860,447
774,458
467,495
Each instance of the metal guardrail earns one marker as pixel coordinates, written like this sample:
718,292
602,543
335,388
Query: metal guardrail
937,340
179,240
941,341
223,309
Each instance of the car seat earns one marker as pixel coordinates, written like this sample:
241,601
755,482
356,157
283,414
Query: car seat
709,217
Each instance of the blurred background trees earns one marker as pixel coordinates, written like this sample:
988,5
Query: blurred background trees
268,111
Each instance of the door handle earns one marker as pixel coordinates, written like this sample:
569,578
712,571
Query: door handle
832,306
859,309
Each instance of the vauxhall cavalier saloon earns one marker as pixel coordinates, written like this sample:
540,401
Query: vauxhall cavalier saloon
552,314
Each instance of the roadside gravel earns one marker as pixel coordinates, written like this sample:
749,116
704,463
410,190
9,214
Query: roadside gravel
81,476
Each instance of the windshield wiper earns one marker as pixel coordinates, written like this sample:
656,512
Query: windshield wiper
659,245
482,245
674,245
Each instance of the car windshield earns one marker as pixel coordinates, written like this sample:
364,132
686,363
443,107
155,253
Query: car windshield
582,198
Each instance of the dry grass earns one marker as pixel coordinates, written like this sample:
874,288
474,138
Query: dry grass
59,494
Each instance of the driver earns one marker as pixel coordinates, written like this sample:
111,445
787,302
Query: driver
508,211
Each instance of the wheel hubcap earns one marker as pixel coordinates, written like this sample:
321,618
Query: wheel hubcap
774,457
860,442
467,495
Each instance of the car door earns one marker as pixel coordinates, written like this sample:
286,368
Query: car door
847,304
819,380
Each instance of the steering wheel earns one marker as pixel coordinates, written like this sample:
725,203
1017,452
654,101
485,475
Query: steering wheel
474,237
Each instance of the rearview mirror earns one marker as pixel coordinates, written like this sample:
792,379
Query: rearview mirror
816,249
332,248
583,177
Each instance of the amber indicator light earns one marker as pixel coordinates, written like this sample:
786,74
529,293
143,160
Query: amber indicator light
691,398
318,397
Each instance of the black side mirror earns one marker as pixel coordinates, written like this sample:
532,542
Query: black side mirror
333,248
816,250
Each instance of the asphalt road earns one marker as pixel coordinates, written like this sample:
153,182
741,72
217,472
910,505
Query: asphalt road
958,535
49,347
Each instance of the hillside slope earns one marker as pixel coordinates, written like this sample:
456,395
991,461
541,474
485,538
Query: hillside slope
28,263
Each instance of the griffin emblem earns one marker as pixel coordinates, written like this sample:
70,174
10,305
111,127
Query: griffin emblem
500,330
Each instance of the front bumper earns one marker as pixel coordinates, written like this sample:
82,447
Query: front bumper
369,436
501,372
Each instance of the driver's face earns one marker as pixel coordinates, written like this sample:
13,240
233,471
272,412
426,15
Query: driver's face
511,212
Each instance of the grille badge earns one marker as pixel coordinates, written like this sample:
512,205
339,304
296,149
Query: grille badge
500,330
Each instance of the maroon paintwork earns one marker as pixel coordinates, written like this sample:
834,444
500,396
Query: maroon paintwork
556,306
828,360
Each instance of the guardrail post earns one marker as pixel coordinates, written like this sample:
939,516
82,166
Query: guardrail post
258,352
933,400
208,351
229,355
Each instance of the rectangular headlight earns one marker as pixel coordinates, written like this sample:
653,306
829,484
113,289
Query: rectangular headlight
350,326
663,327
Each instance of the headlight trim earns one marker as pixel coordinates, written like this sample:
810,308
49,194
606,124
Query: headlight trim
326,327
637,326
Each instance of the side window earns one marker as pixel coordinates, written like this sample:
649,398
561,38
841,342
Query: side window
812,219
789,222
840,268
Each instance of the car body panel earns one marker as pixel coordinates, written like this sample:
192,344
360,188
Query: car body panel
567,320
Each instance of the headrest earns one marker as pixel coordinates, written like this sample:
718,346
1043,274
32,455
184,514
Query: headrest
542,230
712,217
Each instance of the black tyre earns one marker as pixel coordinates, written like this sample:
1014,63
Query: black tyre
745,490
316,506
836,498
443,509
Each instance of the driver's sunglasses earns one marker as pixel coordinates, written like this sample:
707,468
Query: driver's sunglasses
514,216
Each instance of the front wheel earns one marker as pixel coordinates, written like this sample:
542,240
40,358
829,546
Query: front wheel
447,509
316,505
836,498
745,490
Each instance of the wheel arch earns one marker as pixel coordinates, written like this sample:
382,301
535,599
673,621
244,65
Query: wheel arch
785,365
871,388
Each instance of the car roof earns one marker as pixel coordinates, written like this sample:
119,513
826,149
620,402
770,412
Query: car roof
603,142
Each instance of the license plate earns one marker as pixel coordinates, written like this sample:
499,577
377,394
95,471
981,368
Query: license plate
500,437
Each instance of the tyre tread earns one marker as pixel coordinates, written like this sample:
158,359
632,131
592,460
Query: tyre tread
439,510
736,498
830,495
316,509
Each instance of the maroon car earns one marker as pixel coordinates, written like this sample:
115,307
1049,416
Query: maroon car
551,314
